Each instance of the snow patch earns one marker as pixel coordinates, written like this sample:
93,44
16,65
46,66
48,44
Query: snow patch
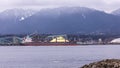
116,40
22,18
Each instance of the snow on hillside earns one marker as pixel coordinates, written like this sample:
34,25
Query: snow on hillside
19,14
116,12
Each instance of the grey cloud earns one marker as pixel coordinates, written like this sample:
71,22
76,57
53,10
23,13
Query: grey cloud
106,5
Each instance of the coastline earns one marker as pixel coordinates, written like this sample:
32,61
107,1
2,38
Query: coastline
106,63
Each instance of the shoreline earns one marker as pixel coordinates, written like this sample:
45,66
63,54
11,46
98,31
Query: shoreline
58,45
106,63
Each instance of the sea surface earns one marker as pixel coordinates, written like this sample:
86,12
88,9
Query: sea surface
55,56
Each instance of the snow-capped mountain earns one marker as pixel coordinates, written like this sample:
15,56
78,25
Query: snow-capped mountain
72,20
59,21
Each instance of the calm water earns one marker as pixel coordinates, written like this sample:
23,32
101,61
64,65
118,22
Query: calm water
55,56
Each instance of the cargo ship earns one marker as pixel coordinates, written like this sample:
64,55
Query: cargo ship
56,40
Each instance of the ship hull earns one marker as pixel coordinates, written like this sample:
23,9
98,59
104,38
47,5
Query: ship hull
48,44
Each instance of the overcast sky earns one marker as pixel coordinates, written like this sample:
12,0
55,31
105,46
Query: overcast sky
106,5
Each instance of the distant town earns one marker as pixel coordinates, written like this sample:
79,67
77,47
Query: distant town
58,39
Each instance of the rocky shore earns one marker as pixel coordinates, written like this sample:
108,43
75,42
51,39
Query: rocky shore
108,63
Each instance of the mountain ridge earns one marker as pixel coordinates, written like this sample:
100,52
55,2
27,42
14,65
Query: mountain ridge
66,20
